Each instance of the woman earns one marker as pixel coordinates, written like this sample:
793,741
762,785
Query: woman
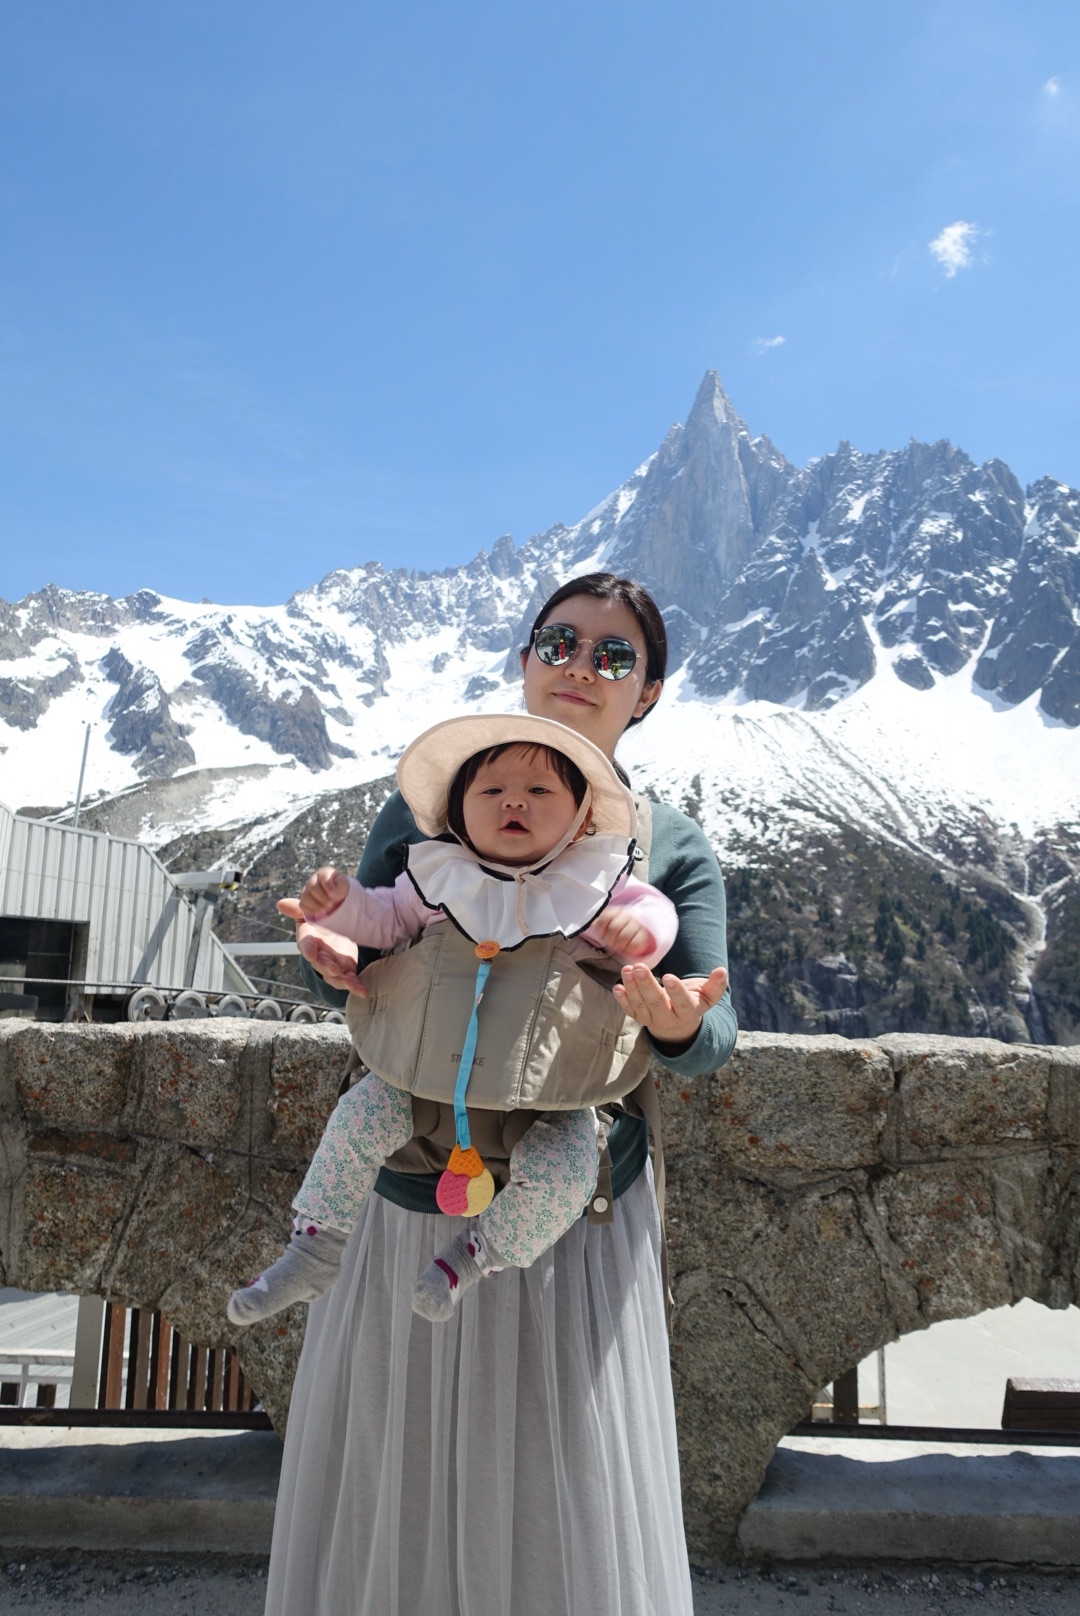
520,1460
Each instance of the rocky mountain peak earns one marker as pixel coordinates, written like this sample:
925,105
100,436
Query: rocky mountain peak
779,584
692,527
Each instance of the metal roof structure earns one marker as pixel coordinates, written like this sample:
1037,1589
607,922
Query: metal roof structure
29,1322
137,925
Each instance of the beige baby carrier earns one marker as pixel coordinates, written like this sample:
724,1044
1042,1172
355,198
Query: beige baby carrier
575,1046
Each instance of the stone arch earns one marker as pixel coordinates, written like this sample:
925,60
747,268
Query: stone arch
825,1196
828,1196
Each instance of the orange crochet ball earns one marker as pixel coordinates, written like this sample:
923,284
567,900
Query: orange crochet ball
465,1163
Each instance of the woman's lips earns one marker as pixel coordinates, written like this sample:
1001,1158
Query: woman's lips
572,695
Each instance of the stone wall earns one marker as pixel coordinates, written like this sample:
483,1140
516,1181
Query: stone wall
825,1197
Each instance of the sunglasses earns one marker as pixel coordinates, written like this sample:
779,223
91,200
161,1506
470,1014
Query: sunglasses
556,644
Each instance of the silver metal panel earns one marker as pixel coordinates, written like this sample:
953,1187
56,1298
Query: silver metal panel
6,821
140,923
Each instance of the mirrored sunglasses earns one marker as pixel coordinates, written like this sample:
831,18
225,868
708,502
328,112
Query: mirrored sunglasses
556,644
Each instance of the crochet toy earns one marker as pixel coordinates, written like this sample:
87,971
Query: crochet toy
466,1187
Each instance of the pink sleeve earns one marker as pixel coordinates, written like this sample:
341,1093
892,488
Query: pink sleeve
656,913
379,917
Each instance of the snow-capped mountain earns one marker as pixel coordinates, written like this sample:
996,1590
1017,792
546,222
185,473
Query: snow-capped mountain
888,642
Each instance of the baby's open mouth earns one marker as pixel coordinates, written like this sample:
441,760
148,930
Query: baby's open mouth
513,824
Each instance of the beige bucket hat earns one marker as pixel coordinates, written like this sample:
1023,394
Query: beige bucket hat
427,767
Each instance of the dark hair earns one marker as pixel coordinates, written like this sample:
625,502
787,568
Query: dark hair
567,770
607,586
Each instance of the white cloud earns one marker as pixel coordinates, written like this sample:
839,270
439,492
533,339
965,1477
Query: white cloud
763,344
952,248
1052,87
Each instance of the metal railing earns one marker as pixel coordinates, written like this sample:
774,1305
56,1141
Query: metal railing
151,1003
45,1369
131,1366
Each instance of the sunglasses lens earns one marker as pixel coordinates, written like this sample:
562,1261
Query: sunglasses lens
614,659
555,644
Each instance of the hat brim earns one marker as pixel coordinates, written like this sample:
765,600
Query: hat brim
427,766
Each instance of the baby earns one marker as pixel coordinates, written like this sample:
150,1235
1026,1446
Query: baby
523,858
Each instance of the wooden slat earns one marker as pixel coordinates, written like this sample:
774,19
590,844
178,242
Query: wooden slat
846,1398
103,1365
138,1358
112,1357
178,1373
197,1395
216,1379
232,1383
158,1375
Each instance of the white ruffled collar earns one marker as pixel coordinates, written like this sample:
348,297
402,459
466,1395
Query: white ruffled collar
564,897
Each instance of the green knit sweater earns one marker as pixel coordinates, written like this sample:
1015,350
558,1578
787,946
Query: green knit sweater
683,866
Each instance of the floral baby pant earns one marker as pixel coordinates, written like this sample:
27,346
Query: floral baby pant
552,1171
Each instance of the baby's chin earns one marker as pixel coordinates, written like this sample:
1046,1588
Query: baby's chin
511,850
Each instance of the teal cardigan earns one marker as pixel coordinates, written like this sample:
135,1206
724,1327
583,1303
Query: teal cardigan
683,866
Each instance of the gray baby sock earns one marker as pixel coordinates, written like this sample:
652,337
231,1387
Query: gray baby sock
306,1269
467,1259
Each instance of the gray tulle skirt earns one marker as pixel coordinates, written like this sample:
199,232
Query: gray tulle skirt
519,1460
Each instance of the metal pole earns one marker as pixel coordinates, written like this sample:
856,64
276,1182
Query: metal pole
82,772
84,1375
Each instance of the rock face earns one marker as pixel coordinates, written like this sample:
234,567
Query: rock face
1035,640
142,720
23,701
824,1197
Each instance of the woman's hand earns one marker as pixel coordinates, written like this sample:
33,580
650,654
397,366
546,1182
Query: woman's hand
333,956
671,1011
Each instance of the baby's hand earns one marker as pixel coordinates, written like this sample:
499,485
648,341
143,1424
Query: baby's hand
322,894
620,933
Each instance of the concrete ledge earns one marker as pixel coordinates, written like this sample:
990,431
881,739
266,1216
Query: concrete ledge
1015,1507
171,1493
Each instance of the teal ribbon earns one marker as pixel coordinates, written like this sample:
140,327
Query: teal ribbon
468,1055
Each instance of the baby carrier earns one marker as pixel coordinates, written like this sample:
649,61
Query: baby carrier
576,1047
444,1017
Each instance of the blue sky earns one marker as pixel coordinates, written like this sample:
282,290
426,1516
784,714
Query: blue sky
285,288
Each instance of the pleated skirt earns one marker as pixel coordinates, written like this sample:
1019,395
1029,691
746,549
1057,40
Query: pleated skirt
519,1460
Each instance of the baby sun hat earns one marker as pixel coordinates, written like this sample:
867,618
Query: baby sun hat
427,767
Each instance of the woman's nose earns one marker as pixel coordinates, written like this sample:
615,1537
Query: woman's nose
581,663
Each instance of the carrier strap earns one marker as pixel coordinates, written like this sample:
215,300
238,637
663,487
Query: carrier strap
647,1095
642,838
468,1055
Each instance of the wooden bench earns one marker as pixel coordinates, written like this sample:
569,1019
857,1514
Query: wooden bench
1041,1405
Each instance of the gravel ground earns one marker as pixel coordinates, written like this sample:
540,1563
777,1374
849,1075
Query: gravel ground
117,1585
